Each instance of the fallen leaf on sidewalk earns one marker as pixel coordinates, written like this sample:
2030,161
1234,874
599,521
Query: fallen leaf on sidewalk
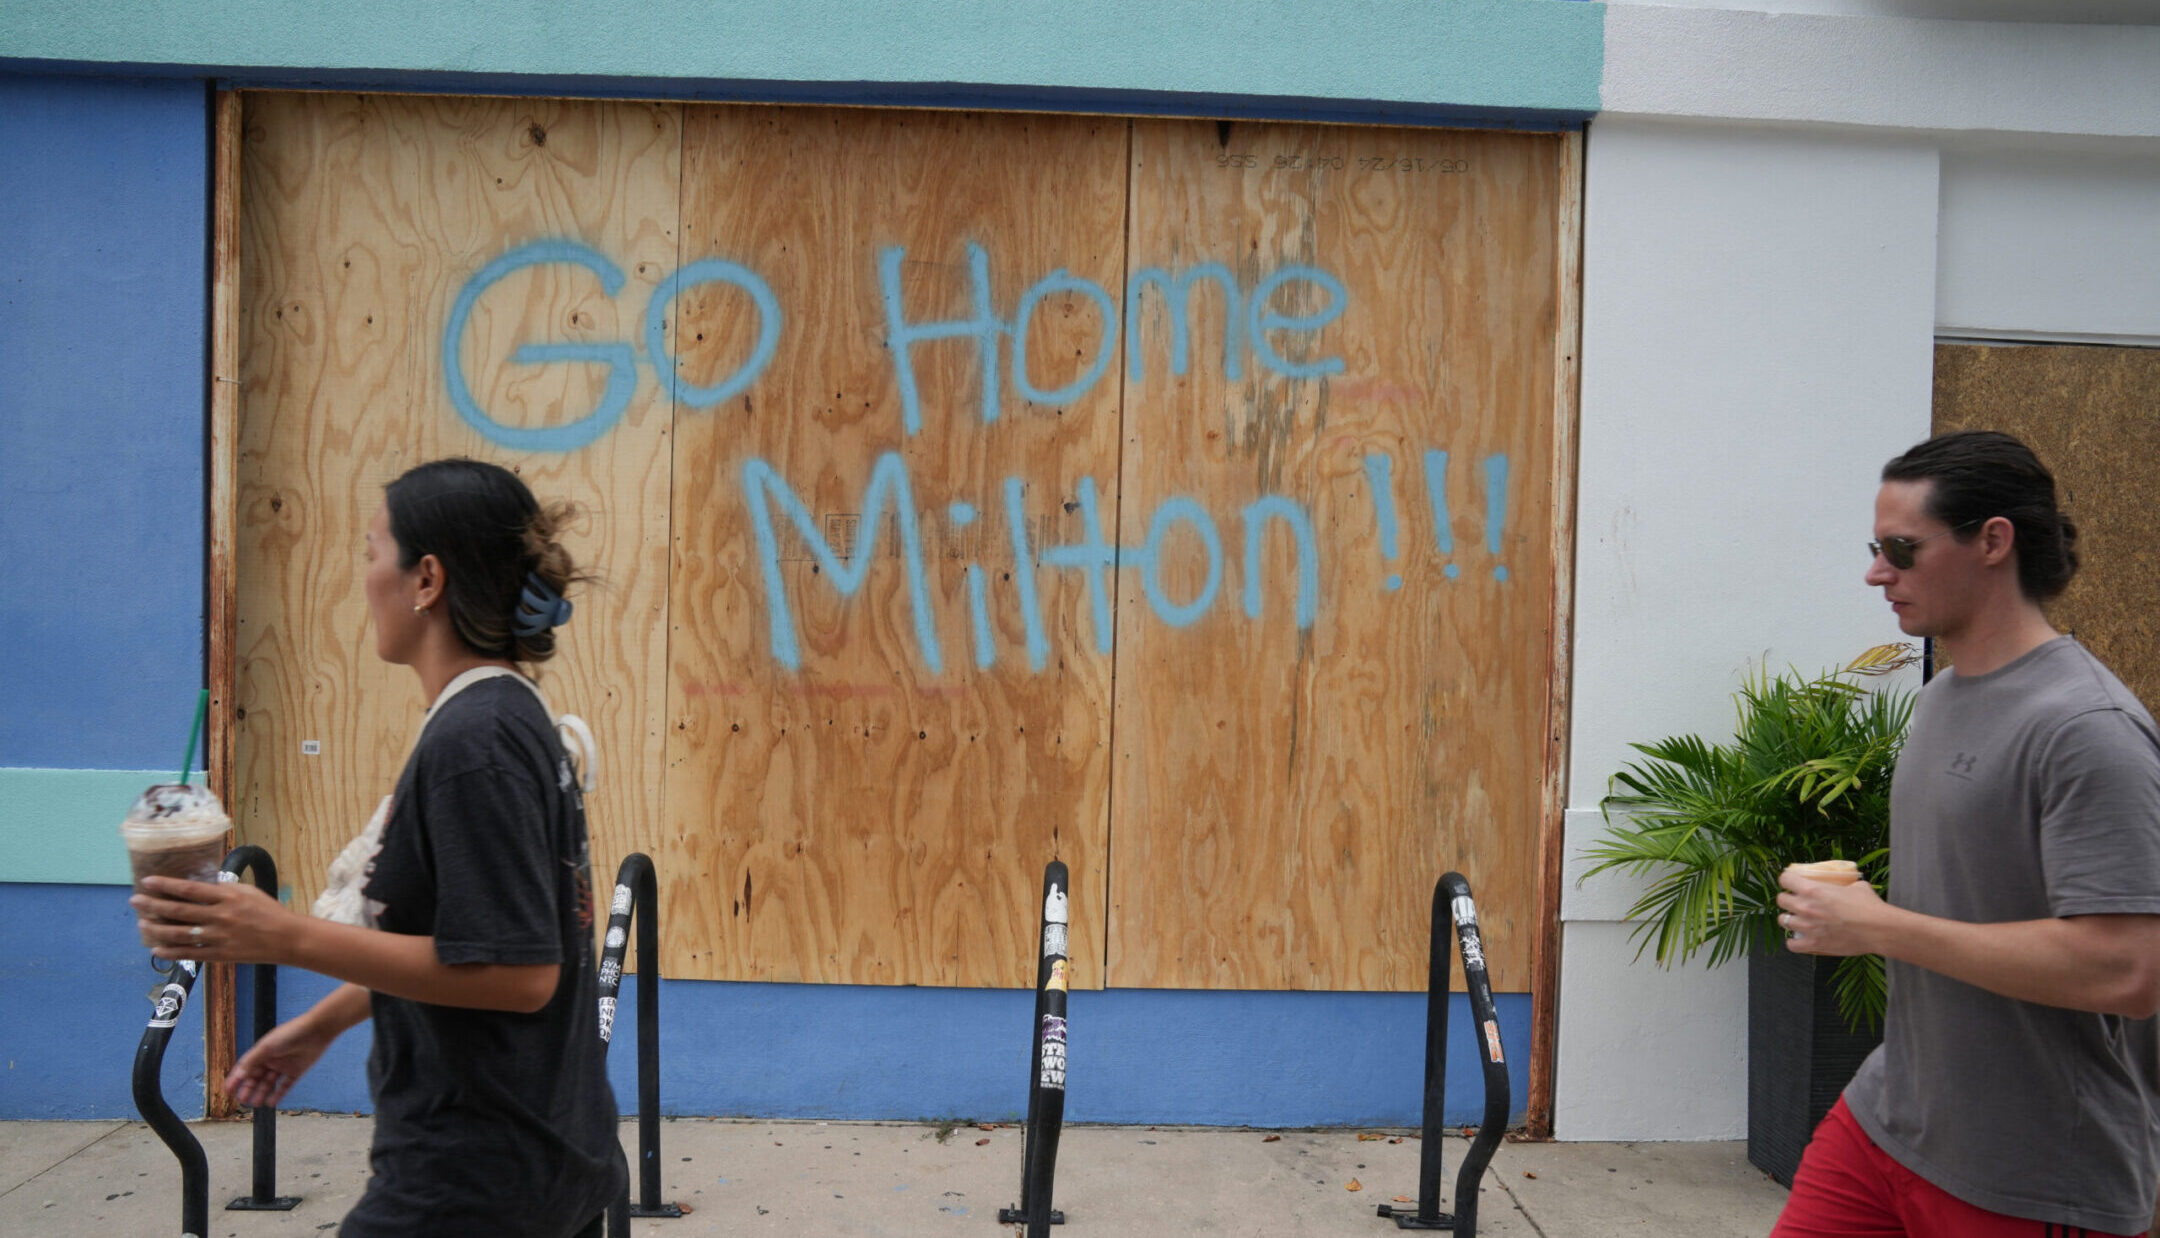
1364,1137
1272,1139
1353,1185
1404,1199
986,1126
1527,1174
1396,1139
981,1142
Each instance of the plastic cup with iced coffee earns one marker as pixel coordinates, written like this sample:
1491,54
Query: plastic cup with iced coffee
176,830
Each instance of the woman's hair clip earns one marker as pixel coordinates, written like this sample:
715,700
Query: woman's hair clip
539,608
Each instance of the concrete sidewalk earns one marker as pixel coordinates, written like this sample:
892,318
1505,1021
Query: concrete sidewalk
78,1179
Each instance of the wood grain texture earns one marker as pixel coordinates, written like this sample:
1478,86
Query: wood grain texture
1560,676
869,815
363,218
2088,412
221,1044
859,781
1285,798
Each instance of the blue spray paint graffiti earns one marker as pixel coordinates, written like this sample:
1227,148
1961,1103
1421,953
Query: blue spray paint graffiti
1436,491
762,487
1496,506
1380,476
621,359
1178,520
1249,324
1178,528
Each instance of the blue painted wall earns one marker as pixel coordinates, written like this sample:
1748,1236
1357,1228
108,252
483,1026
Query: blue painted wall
75,995
898,1054
75,989
103,291
102,310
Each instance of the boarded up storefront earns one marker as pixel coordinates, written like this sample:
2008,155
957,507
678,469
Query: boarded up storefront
1184,500
2089,413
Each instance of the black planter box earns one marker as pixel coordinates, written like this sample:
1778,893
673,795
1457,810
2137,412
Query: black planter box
1800,1056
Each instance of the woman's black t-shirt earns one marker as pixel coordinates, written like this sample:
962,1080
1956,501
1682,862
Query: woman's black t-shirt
489,1122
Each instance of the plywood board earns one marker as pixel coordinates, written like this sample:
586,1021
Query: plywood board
2089,413
1289,785
868,767
376,230
903,495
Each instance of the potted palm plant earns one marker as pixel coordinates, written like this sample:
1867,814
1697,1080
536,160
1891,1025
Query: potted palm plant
1806,776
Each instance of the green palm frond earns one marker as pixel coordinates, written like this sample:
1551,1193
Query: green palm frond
1806,776
1862,990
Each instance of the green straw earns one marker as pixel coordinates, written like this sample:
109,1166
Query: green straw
202,708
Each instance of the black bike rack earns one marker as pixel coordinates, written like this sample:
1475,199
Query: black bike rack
255,860
637,896
150,1098
1046,1063
1451,900
148,1079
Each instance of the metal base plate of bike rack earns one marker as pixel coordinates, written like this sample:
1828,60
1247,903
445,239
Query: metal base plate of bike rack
664,1210
276,1203
1407,1218
1014,1216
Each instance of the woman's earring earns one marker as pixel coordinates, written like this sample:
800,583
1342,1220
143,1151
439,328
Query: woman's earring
419,608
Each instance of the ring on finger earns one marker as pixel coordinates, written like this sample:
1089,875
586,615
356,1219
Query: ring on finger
195,933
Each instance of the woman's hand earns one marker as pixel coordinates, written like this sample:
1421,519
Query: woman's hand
212,922
266,1072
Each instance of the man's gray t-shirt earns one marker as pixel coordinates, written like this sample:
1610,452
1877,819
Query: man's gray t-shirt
2029,792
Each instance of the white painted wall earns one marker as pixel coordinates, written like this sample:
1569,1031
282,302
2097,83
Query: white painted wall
1783,210
1881,68
2039,241
1758,319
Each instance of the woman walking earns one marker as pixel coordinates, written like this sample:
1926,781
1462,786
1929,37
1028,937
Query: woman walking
461,918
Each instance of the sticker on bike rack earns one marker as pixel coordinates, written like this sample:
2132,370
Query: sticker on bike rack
1464,911
1473,953
1492,1040
616,937
171,1000
621,905
610,972
1056,981
607,1019
1053,1052
1055,940
1056,907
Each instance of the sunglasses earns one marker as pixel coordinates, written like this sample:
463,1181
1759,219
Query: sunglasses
1898,552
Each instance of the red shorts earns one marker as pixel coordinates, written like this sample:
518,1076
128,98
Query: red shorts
1846,1187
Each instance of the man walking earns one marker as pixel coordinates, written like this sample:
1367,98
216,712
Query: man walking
2017,1089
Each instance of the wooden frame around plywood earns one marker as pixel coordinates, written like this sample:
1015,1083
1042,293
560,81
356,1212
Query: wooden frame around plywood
1567,385
221,1041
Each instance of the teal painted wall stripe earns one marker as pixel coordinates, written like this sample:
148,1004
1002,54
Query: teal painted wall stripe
1536,55
62,826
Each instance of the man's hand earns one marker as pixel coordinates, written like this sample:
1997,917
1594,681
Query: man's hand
2106,964
1823,917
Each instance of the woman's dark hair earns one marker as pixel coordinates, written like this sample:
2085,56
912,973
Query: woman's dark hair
1978,474
488,532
